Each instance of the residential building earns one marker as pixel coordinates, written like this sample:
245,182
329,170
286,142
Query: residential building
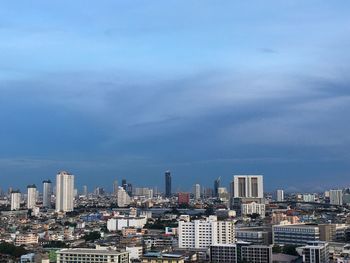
47,192
15,200
336,197
123,197
279,195
64,192
197,192
31,196
316,252
183,198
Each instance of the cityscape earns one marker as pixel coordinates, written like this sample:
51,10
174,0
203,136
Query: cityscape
177,131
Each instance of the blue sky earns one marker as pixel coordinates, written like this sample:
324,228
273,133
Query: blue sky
129,89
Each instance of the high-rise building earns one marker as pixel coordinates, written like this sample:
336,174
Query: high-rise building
204,233
248,186
124,184
31,196
167,184
64,192
47,192
115,187
123,198
336,197
197,191
15,200
279,195
85,190
183,198
217,186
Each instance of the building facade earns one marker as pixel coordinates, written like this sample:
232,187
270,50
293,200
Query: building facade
85,255
31,196
64,192
47,192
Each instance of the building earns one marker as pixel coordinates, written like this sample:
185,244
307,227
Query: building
279,195
47,192
216,186
183,198
295,234
123,198
26,239
167,184
255,235
135,252
248,186
204,233
64,192
336,197
118,223
309,197
15,200
85,190
158,257
115,187
240,252
316,252
197,192
143,192
253,208
31,196
86,255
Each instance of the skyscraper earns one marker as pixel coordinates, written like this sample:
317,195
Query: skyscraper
85,190
47,191
115,187
248,186
279,195
64,192
216,186
168,184
15,200
123,198
31,196
336,197
197,191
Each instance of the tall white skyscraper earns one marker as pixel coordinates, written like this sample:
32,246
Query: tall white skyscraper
248,186
279,195
47,192
15,200
336,197
197,191
31,196
64,192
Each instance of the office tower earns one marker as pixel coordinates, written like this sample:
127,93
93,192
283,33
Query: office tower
248,186
31,196
115,187
85,190
183,198
279,196
216,186
316,252
87,255
123,198
336,197
204,233
167,184
15,200
47,192
295,234
64,192
197,192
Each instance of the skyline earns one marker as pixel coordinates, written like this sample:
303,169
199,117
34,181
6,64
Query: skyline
201,89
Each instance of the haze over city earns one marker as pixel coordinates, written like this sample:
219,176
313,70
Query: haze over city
130,89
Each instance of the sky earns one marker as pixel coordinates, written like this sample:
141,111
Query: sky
129,89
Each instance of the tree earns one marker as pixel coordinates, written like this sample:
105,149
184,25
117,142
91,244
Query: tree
290,250
276,249
209,211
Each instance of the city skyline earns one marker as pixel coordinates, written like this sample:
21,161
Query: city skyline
204,90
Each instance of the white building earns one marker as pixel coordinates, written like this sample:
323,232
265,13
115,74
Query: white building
197,191
123,197
204,233
248,186
88,255
309,197
336,197
15,200
64,192
144,192
31,196
316,252
279,195
118,223
253,208
135,252
47,192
